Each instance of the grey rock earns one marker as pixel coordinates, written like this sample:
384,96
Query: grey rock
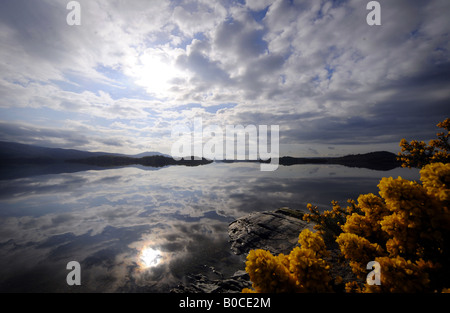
202,284
276,231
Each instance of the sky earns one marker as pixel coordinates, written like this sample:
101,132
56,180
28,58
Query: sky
133,70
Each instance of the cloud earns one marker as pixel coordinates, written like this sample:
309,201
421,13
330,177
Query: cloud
257,5
72,136
193,17
294,64
40,135
204,69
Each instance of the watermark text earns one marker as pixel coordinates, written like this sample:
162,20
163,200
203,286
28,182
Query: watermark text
236,142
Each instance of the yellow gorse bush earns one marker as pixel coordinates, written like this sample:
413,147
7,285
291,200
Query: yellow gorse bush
436,179
303,270
406,229
269,273
408,234
418,153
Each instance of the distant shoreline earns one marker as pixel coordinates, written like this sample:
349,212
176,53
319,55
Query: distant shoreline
20,154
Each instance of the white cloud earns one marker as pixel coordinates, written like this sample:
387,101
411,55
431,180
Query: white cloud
258,5
193,17
316,58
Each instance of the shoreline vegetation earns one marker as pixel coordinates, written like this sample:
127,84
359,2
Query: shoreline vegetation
17,154
151,161
381,160
404,233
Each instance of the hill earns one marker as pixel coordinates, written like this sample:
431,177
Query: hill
12,152
153,161
380,160
19,154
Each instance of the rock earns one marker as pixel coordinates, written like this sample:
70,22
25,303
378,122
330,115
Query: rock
276,231
203,284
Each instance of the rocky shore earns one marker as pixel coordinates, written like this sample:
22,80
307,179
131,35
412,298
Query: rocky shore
276,231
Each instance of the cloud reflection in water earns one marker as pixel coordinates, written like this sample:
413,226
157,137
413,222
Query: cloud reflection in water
138,230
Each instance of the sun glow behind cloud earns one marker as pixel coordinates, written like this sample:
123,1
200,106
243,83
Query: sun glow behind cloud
156,71
315,68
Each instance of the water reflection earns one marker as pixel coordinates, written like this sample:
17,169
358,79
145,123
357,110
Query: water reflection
135,230
150,257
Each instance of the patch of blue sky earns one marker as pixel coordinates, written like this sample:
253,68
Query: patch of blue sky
121,86
319,14
42,116
200,36
184,43
316,79
330,70
150,111
66,85
24,83
415,33
334,52
210,109
213,109
357,56
337,3
126,88
185,40
334,4
76,83
259,15
186,107
48,117
159,38
232,3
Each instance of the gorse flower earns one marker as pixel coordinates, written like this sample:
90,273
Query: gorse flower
269,273
401,275
406,229
311,272
436,180
303,270
418,153
359,251
309,240
329,223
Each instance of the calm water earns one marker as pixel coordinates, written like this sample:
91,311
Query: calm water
136,229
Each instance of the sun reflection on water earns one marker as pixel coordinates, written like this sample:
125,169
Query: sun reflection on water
150,257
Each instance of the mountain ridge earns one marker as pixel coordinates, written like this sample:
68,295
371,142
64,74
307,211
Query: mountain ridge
18,153
15,150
